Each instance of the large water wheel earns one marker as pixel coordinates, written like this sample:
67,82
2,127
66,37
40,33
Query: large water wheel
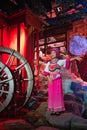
16,79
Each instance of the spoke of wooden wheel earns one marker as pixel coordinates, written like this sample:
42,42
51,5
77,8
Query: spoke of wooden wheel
20,66
1,104
8,61
6,80
26,79
3,74
9,58
3,91
11,63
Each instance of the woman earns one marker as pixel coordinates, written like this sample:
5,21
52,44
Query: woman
53,73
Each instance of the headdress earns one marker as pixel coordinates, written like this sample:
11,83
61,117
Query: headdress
57,51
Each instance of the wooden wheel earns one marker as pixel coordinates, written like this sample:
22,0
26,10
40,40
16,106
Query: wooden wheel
18,82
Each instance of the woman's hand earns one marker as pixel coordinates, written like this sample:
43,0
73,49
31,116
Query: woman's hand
65,56
50,79
78,58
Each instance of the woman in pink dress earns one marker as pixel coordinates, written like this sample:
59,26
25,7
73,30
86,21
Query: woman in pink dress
55,90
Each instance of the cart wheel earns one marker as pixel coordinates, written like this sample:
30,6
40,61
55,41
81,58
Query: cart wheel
16,79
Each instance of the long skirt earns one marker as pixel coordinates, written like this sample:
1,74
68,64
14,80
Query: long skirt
55,96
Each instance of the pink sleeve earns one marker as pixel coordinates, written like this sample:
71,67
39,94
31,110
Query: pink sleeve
46,73
67,63
46,70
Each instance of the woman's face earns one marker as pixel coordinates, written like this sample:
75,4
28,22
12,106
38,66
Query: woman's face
53,54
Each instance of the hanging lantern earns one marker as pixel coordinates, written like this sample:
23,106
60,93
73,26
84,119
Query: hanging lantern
78,45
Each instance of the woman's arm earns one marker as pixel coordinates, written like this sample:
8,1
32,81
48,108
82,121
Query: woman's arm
76,58
73,58
47,73
46,70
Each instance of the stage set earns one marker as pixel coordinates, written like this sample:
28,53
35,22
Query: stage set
23,86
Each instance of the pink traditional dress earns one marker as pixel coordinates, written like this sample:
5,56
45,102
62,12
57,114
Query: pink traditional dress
55,92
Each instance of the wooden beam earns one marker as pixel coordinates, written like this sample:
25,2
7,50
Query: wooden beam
55,30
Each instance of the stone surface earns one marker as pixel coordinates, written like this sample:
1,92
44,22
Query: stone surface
65,120
46,128
15,124
34,116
